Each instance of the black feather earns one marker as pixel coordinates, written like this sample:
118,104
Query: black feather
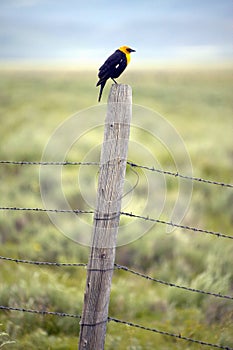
102,85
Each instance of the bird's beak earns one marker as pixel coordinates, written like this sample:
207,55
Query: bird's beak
132,50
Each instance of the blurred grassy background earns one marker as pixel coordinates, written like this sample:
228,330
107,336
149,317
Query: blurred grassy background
198,102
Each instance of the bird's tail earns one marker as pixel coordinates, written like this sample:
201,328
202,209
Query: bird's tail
102,85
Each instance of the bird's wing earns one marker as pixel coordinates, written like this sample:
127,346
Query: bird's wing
113,66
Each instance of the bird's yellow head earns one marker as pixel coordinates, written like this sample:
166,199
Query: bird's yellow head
127,50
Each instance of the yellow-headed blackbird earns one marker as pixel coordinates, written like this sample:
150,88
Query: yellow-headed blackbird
113,66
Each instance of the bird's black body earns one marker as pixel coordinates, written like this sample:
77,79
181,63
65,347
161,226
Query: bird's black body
112,68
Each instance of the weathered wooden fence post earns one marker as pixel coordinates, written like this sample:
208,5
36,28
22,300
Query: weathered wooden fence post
106,221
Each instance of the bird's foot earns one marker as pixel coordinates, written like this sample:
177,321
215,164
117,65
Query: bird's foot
114,81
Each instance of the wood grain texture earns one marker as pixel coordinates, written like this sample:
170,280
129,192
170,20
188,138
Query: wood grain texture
106,221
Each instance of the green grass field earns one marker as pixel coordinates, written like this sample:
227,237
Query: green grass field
198,104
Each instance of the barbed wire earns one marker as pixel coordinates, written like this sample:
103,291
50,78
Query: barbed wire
146,218
41,312
179,336
112,319
119,267
22,162
45,263
75,211
185,227
165,172
218,295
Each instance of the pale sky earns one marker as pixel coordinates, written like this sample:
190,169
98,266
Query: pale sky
88,31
